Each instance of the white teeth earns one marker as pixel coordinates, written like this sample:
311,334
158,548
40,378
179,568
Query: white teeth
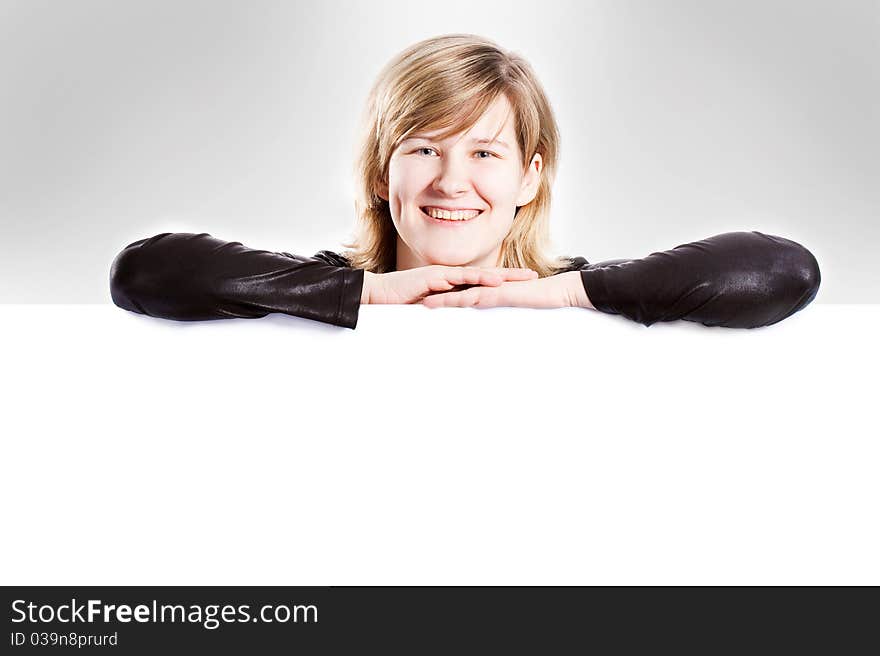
458,215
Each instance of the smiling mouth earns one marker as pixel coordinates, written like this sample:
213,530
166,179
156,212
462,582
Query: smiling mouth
449,221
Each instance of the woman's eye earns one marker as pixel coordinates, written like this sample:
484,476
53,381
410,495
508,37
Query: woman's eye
423,149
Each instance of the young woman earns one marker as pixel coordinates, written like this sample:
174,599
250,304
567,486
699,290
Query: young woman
456,160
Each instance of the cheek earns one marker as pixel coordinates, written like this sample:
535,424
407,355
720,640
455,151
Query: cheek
500,188
407,175
497,186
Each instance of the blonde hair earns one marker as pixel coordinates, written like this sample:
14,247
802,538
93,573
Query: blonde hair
446,83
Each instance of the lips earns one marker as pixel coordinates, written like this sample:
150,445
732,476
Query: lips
451,209
448,222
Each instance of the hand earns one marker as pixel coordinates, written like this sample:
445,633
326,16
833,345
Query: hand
412,285
562,290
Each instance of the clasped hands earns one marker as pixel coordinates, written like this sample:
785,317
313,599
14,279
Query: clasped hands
441,286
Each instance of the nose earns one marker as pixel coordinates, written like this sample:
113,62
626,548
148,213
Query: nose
452,180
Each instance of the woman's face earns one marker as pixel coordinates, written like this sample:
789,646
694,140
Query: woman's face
464,173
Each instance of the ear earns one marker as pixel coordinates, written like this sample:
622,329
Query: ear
531,181
381,190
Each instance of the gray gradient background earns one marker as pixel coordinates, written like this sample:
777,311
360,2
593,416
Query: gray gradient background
679,120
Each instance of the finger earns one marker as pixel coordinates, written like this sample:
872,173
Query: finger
471,276
480,275
448,299
473,297
515,273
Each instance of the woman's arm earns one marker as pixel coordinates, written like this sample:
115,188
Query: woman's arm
735,280
197,277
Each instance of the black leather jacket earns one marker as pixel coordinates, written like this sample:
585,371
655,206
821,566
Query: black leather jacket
735,280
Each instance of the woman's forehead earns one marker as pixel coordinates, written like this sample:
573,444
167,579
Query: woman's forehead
495,126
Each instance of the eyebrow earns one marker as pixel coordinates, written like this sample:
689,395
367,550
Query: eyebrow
475,140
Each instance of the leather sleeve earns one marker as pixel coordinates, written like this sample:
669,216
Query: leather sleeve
734,280
197,277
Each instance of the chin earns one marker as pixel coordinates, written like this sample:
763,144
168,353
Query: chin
449,259
440,253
